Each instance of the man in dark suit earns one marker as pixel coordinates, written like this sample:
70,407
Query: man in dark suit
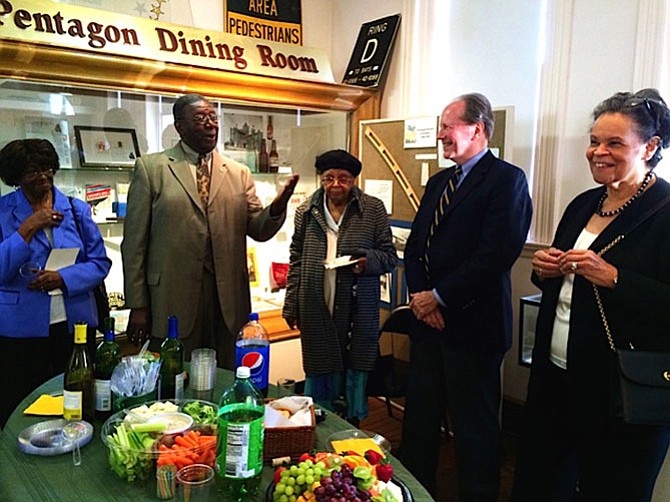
469,230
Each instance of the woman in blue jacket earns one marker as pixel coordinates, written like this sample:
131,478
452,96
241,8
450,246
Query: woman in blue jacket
38,307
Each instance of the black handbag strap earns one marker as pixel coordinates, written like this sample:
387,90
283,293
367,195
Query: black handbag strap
76,223
596,291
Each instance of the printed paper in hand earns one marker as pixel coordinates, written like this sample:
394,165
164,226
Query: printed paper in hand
60,258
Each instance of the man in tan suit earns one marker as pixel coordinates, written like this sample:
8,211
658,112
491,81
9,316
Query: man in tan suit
184,247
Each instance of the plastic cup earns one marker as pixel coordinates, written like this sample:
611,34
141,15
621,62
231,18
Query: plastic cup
285,387
203,372
195,482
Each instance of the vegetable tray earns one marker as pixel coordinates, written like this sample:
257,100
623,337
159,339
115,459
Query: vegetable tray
142,437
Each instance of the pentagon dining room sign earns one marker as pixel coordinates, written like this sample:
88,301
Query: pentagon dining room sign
371,52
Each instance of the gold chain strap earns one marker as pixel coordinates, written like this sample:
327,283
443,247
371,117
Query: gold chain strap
601,309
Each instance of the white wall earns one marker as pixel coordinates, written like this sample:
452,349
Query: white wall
601,63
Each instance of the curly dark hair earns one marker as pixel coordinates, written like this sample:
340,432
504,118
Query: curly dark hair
21,155
648,112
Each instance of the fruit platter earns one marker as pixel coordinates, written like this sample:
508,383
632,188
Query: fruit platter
330,477
159,433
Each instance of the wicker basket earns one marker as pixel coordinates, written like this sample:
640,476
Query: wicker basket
289,441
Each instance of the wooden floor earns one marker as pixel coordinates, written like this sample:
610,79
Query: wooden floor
391,427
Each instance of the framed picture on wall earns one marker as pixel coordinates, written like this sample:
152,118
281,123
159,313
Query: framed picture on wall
400,231
106,146
387,289
252,267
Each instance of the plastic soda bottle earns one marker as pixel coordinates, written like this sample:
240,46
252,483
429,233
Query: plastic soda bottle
252,349
239,449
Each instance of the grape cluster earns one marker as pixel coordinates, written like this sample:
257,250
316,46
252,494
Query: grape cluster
340,486
297,479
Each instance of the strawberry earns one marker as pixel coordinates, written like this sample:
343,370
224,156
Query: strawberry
278,472
384,472
305,456
374,457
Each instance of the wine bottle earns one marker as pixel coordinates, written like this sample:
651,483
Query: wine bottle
172,363
78,381
270,130
263,159
107,356
274,157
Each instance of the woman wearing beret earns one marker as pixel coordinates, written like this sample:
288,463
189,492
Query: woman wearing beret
337,310
38,308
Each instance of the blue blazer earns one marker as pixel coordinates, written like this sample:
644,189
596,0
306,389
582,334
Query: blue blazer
25,312
478,240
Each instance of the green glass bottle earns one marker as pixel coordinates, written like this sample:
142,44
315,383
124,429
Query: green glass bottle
172,363
107,356
78,381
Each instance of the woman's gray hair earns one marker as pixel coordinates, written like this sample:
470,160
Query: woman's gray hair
648,112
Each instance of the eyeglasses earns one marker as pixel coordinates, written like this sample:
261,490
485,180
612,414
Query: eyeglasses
35,172
342,180
201,118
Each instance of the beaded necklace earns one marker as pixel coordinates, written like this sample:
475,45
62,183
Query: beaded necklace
606,214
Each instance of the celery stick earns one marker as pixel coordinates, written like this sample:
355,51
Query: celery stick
150,427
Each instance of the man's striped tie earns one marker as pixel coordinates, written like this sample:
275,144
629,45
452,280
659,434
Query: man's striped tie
441,208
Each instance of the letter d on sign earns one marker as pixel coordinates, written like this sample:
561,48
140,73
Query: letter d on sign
372,46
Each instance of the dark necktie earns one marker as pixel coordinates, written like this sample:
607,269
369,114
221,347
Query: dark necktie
202,177
441,208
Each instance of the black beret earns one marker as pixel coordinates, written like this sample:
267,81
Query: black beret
338,159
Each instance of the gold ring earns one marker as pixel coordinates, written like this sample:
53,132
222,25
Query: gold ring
573,266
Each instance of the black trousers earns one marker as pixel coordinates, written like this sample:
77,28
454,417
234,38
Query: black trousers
561,461
28,362
468,384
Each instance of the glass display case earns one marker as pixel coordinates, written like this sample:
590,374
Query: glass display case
88,103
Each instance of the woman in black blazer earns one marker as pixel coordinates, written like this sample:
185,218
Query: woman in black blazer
574,437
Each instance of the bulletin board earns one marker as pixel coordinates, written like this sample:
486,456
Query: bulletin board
390,135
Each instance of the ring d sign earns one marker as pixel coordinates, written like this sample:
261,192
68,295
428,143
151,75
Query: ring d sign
371,53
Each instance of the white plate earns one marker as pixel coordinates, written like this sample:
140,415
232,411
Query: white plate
341,261
47,439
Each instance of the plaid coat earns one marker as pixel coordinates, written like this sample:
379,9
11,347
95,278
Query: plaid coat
327,344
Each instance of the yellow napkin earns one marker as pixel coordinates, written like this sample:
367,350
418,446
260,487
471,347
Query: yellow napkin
358,445
46,405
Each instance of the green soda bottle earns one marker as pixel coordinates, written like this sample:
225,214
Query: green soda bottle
239,450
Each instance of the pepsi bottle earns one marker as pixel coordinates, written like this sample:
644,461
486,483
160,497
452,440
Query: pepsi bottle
252,350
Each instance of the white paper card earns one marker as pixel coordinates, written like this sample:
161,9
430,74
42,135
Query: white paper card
60,258
382,189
